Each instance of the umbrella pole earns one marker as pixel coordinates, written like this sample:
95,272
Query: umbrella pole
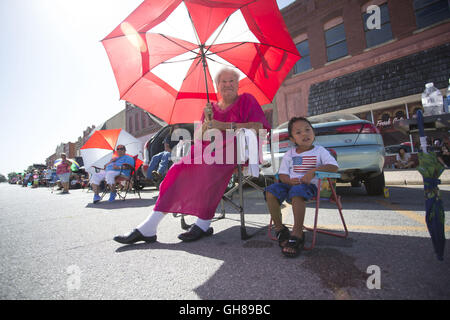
203,57
420,125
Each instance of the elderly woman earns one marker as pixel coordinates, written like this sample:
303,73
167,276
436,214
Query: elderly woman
63,171
196,189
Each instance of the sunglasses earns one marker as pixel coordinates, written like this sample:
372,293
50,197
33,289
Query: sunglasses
120,149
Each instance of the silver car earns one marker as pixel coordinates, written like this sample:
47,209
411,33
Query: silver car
357,143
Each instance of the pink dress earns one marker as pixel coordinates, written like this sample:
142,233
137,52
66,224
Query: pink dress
196,189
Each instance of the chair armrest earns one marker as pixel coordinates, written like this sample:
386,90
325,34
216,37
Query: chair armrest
126,166
323,174
97,169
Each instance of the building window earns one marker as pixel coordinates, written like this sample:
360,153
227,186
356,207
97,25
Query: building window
429,12
304,63
375,37
336,42
136,121
143,122
130,125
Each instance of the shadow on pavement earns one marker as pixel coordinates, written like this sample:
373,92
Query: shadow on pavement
335,269
120,204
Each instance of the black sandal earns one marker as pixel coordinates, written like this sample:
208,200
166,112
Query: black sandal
282,235
294,243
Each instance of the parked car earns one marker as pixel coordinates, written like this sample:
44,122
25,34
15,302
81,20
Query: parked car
357,143
155,145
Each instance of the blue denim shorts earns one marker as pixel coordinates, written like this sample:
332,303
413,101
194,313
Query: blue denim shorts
283,191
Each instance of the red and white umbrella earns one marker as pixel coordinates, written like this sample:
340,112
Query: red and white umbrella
101,146
166,53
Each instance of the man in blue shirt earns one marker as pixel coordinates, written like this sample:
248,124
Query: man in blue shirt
117,166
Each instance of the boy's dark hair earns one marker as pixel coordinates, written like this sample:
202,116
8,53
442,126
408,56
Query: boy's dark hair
294,120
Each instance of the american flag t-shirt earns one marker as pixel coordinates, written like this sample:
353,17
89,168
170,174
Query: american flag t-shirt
303,164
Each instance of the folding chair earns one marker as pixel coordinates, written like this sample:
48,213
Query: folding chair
52,182
128,183
242,180
123,182
334,198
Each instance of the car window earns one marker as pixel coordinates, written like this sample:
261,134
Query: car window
332,118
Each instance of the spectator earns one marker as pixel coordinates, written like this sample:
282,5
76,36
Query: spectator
110,171
196,189
63,172
75,182
403,159
159,163
35,179
298,183
444,157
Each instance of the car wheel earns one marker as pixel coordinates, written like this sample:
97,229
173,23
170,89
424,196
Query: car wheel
375,186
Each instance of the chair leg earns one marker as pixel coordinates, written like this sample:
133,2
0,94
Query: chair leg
315,230
184,225
222,213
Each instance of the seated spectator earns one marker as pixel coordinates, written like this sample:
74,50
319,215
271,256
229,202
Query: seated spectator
110,171
48,176
75,182
444,156
159,164
84,180
403,160
26,179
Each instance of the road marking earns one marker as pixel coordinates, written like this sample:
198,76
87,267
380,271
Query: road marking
407,213
337,227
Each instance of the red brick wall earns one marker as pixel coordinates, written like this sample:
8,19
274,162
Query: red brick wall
309,17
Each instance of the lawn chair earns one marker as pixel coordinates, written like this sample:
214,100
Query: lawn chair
325,179
241,177
130,183
124,183
52,181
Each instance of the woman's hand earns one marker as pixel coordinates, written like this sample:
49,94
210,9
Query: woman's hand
215,124
294,181
208,112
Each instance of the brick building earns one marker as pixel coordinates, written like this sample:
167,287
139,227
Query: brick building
369,58
139,123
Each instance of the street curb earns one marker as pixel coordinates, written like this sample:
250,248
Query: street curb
410,177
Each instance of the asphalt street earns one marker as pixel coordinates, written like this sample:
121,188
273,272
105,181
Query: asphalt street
57,246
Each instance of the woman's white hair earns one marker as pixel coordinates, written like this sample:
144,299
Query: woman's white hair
226,70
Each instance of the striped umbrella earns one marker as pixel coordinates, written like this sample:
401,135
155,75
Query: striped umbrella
101,146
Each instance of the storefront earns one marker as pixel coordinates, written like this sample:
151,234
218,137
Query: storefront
385,120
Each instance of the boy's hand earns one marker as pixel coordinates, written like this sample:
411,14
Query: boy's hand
308,177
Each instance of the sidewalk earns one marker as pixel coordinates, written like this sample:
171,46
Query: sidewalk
410,176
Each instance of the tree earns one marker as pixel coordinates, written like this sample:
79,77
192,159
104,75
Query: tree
2,178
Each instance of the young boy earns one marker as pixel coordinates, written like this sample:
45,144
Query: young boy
298,185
